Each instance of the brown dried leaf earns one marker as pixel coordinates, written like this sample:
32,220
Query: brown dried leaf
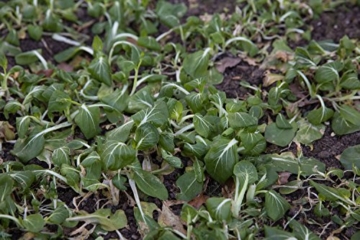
270,78
227,62
198,201
6,131
168,218
283,178
66,67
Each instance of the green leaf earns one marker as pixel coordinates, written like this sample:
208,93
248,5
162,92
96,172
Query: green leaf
27,58
350,157
275,205
119,182
282,122
29,148
59,215
221,158
71,174
149,43
142,99
146,136
88,120
189,186
245,169
92,164
6,186
60,156
254,143
23,178
219,208
320,115
59,102
117,155
171,159
97,44
202,126
272,233
341,126
116,99
107,221
326,74
278,136
34,222
241,120
301,232
308,133
150,184
99,69
196,64
35,32
195,101
121,133
331,194
350,81
349,114
157,115
166,141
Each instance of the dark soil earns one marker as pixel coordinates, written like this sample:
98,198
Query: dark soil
344,20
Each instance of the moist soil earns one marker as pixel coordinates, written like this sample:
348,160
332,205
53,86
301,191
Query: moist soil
329,26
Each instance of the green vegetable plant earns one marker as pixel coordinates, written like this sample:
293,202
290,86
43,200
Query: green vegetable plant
116,120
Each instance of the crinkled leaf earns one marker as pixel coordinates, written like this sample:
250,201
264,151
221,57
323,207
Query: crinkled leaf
117,155
275,205
88,119
221,158
189,186
150,184
350,157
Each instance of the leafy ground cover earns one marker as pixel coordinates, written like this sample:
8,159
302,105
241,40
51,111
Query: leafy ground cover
179,120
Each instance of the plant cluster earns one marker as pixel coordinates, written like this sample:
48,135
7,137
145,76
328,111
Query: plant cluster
136,106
